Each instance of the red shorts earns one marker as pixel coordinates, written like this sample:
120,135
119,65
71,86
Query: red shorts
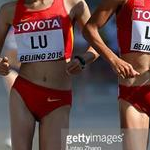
41,100
138,96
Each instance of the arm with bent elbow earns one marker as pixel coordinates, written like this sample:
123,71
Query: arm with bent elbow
91,34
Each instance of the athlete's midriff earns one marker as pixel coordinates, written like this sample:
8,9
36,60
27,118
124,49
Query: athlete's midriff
50,74
141,63
136,91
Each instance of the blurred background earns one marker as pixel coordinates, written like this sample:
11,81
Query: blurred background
94,90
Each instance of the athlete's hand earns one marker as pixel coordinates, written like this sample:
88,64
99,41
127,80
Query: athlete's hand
4,66
124,69
74,67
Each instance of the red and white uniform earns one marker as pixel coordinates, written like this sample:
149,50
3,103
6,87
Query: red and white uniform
43,35
133,25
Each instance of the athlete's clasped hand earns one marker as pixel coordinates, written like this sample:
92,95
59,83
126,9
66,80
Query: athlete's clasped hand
74,67
123,69
4,66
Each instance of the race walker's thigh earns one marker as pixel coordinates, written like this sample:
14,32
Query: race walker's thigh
51,127
22,123
135,125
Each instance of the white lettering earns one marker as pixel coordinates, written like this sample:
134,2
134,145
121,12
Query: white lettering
146,15
48,23
92,148
33,24
143,14
19,27
55,24
26,26
139,13
39,25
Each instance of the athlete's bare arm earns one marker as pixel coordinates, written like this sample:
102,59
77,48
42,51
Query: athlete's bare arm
99,18
105,10
81,13
5,22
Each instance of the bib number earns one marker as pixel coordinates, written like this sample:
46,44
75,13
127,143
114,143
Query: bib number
40,40
140,40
